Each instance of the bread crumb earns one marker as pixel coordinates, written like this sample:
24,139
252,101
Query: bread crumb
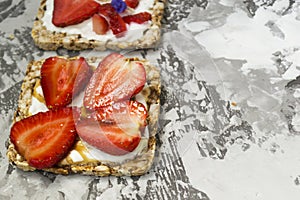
11,36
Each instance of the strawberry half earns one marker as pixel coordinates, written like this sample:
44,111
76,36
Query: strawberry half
100,25
115,21
115,79
115,129
45,138
70,12
61,79
137,18
132,3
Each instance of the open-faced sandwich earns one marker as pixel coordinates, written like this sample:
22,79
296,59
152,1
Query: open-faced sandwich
98,24
87,115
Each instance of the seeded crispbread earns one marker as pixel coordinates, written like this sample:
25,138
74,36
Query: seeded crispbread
51,40
138,165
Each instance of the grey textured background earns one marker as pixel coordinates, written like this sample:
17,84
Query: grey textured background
207,111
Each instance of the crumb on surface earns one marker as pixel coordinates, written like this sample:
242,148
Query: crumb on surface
11,36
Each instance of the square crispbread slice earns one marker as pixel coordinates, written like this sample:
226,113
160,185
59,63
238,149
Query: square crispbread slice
135,166
53,39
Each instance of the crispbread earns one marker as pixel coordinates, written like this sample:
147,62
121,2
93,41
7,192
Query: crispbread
139,165
52,40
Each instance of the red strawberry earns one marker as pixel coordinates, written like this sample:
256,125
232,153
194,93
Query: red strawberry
45,138
109,138
115,21
121,134
61,79
123,112
69,12
100,25
115,79
132,3
137,18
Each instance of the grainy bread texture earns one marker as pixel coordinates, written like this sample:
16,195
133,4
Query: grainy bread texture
52,40
139,165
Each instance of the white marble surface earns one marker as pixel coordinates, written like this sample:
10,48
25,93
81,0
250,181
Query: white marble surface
229,125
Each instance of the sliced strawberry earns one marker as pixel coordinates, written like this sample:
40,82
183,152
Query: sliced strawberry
70,12
137,18
45,138
100,25
115,79
61,79
132,3
115,129
124,112
115,21
114,139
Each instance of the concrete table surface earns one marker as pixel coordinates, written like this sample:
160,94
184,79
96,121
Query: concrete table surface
229,126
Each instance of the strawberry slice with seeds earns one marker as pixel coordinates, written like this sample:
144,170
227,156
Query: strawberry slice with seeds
123,112
132,3
70,12
115,21
115,79
137,18
100,25
115,129
45,138
109,138
62,79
